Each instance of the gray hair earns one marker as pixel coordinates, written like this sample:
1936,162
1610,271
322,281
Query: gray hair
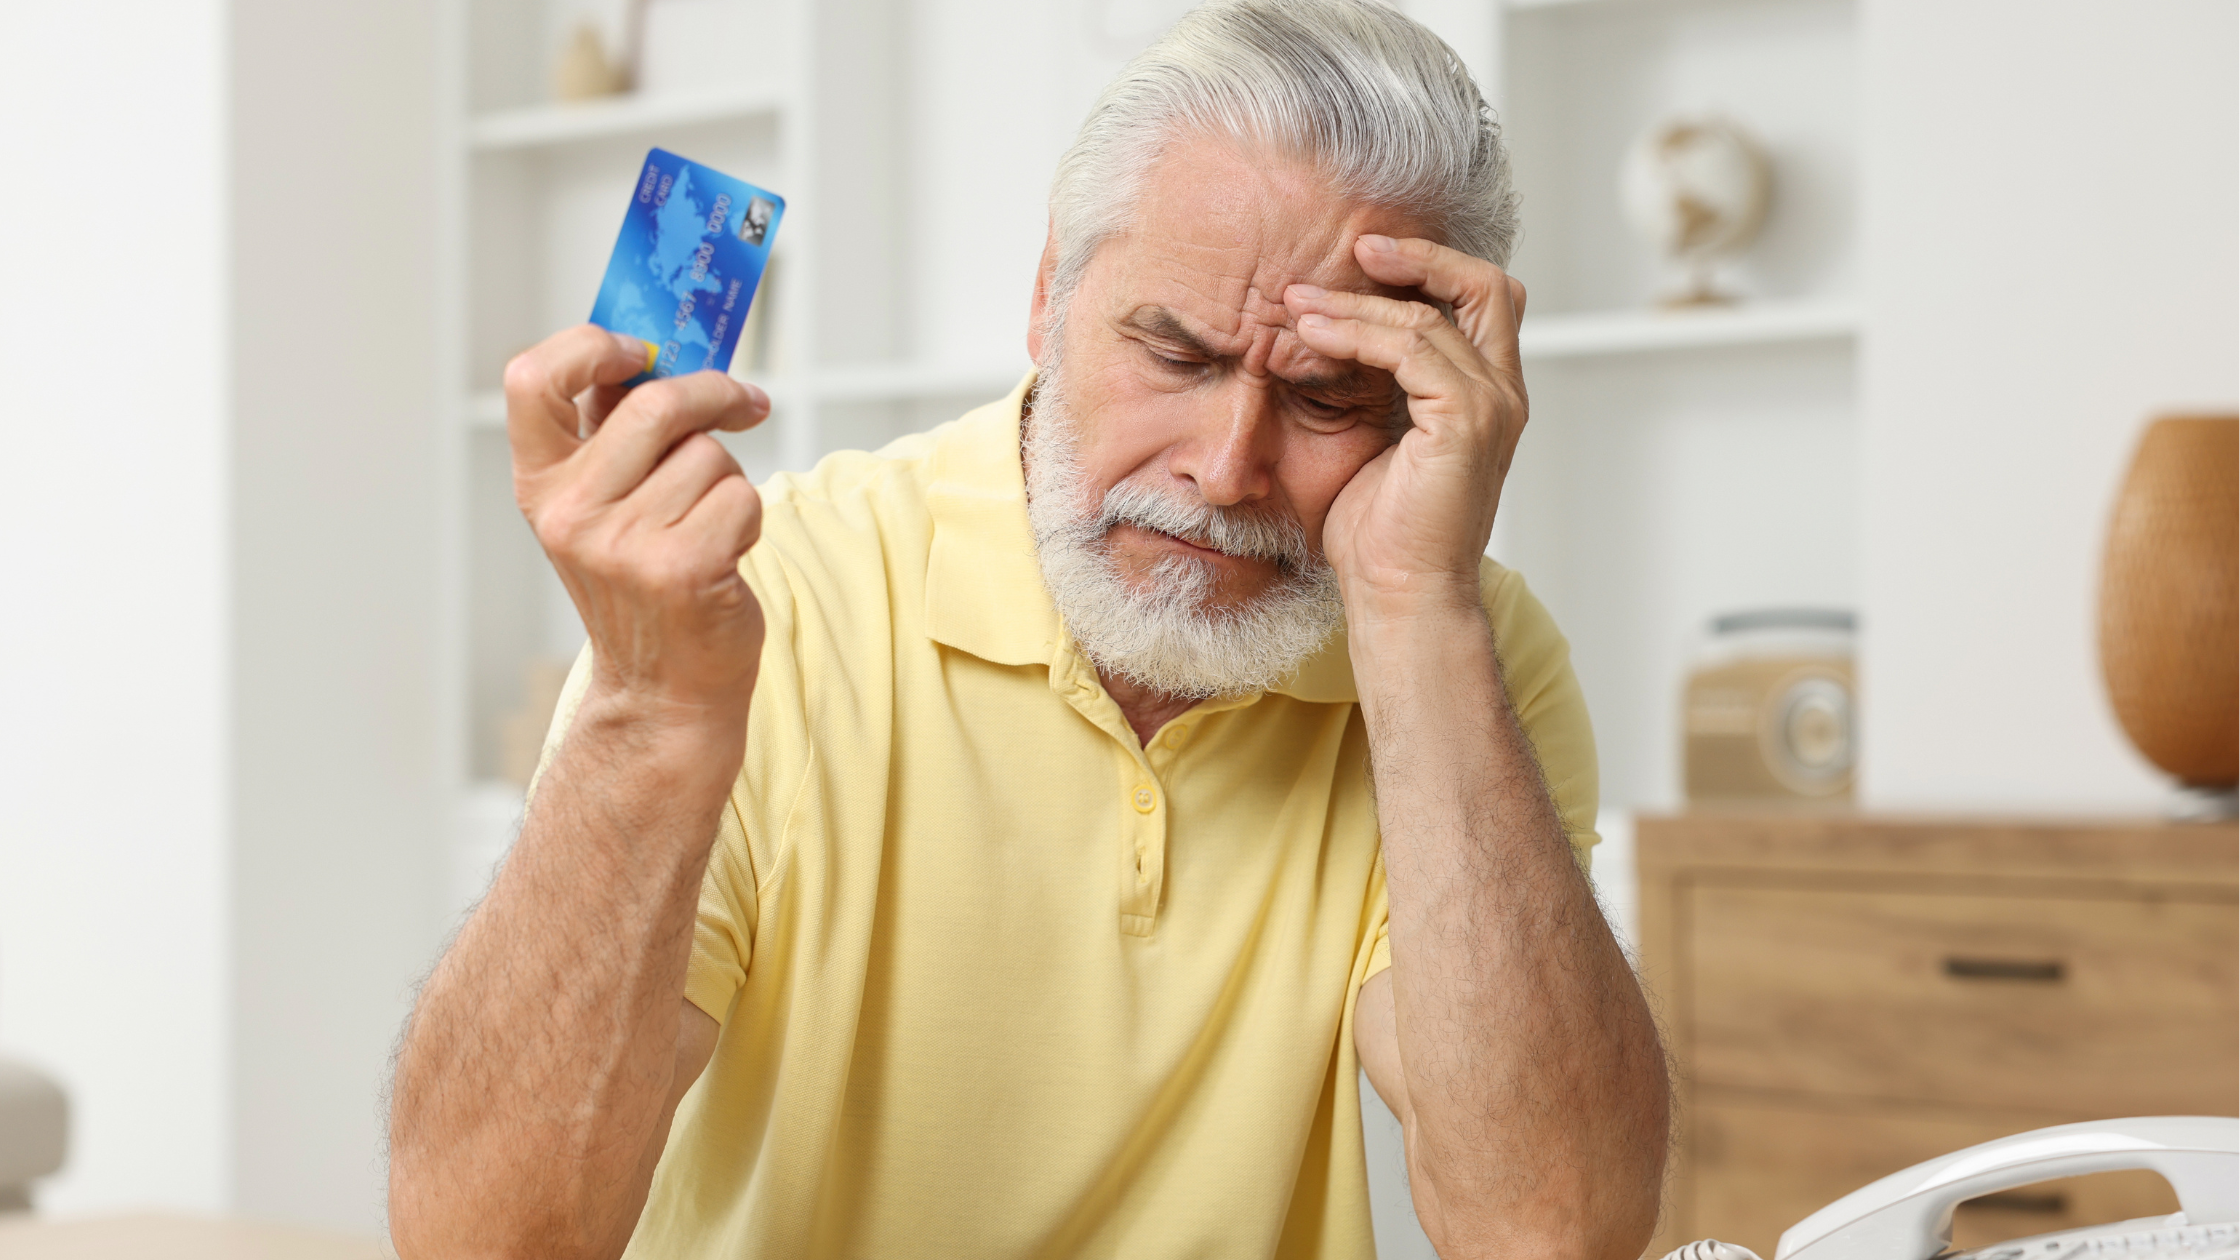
1368,96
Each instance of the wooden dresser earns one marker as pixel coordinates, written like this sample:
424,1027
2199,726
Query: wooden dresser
1847,995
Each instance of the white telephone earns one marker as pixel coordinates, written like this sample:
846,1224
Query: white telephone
1908,1215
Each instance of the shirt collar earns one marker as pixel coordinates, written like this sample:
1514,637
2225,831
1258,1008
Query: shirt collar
984,591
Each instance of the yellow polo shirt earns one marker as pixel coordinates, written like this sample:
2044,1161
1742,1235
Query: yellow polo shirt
994,979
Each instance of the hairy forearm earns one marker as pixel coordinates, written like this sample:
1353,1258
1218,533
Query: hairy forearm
1533,1076
539,1061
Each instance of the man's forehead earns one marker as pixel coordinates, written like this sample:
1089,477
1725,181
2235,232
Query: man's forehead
1228,280
1222,230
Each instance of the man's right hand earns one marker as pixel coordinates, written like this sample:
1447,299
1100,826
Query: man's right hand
645,518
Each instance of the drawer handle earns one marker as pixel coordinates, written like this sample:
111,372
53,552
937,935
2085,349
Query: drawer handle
2036,972
2040,1203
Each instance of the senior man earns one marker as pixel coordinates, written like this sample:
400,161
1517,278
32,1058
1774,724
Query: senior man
1129,763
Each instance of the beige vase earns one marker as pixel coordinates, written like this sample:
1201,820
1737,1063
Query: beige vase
2170,600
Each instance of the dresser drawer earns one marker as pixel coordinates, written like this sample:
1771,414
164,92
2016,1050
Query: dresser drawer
1761,1167
2095,1006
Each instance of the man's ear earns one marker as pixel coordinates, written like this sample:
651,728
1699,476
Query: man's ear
1044,273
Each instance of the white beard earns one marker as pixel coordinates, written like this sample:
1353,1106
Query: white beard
1163,635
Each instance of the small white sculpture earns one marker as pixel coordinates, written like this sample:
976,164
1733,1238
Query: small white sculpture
584,72
1697,189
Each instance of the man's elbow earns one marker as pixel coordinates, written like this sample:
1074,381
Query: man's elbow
1637,1140
1591,1218
1595,1196
424,1221
439,1209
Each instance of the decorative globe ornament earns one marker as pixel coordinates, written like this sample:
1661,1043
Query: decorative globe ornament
1697,188
2170,604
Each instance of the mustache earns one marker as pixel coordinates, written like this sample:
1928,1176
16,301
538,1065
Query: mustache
1250,533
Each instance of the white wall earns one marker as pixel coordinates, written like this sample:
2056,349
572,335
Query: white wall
218,824
2050,221
996,92
337,457
114,699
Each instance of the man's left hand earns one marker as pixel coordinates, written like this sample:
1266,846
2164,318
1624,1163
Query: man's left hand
1413,522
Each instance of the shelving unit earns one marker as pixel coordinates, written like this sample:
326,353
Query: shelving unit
1678,463
800,96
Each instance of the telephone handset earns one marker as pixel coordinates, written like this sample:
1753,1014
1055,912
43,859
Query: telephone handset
1908,1215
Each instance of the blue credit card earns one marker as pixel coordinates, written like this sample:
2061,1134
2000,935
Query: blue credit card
692,249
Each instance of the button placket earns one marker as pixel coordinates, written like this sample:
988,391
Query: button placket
1143,846
1143,853
1144,786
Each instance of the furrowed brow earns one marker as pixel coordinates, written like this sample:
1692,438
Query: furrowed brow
1165,325
1341,382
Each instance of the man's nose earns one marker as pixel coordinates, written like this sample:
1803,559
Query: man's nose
1231,459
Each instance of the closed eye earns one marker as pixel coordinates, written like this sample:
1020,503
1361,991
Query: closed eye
1321,413
1169,363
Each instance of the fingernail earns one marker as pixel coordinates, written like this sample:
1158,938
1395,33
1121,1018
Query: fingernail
646,350
1314,321
1309,290
1381,244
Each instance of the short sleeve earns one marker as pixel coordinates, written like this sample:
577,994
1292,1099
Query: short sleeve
723,931
1378,917
780,760
563,713
1536,667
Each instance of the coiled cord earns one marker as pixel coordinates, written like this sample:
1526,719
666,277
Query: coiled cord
1711,1249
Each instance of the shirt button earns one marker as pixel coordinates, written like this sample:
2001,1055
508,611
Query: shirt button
1176,737
1146,800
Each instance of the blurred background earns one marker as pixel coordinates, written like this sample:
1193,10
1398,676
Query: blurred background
1847,317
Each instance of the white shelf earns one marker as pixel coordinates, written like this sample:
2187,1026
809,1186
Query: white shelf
541,126
882,382
1588,334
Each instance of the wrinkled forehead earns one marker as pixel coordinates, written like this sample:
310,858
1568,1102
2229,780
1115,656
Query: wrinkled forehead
1221,229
